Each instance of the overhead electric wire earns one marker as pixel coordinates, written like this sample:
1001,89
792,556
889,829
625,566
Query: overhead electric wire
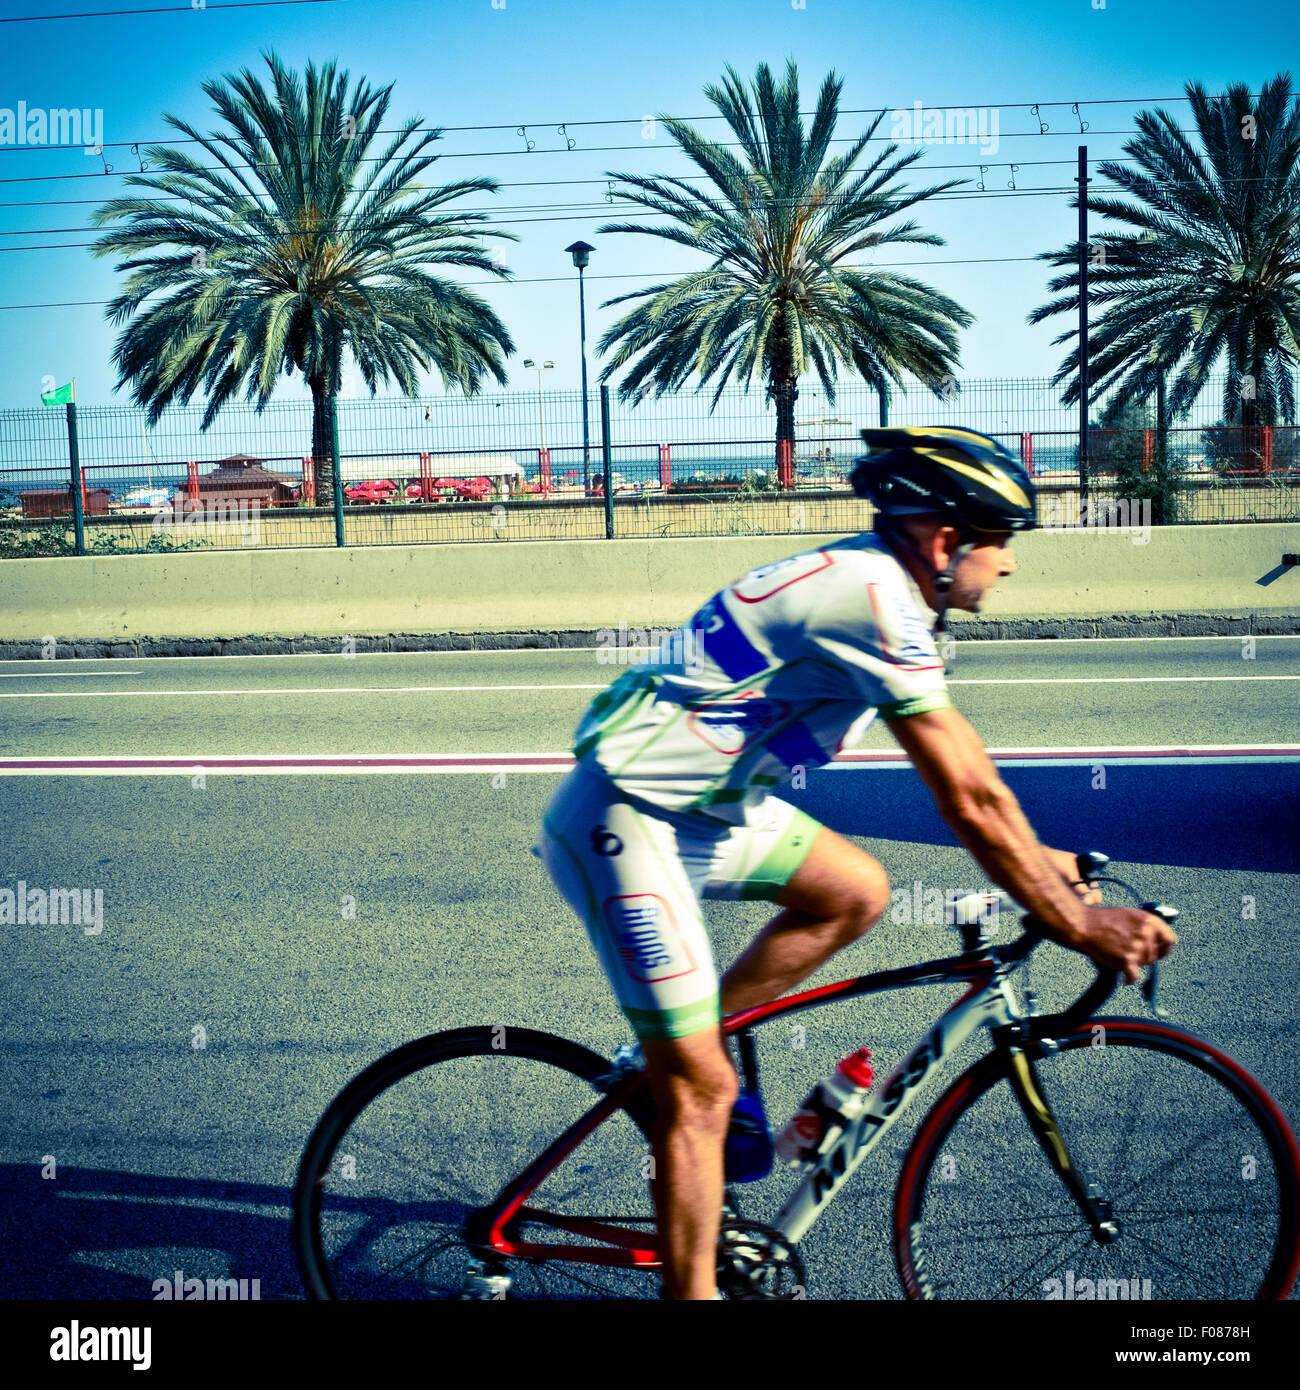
568,279
502,154
160,9
626,207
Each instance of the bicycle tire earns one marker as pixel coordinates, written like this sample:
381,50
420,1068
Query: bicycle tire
973,1084
396,1066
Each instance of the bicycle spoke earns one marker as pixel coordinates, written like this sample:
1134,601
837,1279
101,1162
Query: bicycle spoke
1126,1136
1130,1212
1013,1221
1111,1112
1160,1168
1025,1272
418,1165
556,1268
1019,1233
1166,1259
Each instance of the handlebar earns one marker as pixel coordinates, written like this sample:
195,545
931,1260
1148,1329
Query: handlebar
1107,981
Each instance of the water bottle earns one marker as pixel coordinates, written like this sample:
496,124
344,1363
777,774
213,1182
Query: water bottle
831,1106
747,1154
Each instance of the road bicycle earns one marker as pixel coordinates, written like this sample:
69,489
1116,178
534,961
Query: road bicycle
1081,1156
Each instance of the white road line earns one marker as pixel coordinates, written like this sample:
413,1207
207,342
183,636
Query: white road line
1108,680
299,690
45,675
549,754
467,689
478,764
972,642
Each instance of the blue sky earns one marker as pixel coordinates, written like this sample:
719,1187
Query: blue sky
460,63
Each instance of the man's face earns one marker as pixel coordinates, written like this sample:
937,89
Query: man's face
979,570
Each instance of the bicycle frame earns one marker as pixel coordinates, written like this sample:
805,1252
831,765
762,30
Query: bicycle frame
988,1002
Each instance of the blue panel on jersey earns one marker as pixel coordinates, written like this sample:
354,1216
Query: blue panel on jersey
727,646
796,746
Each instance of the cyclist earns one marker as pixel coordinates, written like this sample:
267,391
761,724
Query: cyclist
670,799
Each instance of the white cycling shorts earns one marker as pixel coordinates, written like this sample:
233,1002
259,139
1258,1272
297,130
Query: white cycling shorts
636,875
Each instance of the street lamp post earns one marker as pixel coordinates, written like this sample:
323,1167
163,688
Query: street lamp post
539,368
581,253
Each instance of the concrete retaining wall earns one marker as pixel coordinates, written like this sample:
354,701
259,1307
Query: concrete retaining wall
572,587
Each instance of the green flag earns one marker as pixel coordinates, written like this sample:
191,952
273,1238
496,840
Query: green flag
61,396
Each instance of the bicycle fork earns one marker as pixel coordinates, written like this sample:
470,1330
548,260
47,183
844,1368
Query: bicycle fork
1097,1211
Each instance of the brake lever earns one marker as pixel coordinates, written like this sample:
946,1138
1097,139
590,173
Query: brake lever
1149,985
1090,866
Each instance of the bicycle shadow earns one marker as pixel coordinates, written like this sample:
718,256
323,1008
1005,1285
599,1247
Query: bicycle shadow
104,1234
1193,814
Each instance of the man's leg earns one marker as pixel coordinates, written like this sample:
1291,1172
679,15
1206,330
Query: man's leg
694,1087
833,898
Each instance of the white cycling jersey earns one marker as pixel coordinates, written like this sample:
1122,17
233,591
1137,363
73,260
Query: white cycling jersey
774,672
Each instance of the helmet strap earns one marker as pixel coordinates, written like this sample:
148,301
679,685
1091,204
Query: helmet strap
898,539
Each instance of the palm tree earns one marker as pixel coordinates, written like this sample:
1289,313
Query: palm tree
779,297
1213,268
288,251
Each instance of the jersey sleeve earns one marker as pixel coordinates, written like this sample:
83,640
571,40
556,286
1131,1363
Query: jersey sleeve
880,645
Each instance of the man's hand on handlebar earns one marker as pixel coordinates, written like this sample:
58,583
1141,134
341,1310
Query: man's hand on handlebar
1067,865
1124,939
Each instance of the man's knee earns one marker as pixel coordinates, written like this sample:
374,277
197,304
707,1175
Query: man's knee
867,905
692,1078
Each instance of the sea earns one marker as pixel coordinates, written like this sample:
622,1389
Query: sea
640,466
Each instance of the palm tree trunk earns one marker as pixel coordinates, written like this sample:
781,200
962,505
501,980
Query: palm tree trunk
320,443
785,393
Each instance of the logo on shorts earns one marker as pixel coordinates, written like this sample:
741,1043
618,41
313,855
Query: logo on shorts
646,938
605,841
731,727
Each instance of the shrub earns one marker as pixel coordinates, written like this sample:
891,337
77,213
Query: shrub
1236,450
56,538
729,482
1123,453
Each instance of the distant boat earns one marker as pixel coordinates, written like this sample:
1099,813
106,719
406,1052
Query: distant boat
154,499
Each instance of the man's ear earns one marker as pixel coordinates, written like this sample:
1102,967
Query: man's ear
949,538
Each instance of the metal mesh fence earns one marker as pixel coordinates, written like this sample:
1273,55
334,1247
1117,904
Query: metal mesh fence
514,466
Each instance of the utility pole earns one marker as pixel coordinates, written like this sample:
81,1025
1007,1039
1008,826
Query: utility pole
1083,323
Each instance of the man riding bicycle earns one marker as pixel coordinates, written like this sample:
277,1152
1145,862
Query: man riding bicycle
670,799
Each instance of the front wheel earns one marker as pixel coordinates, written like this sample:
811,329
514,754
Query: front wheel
429,1135
1199,1167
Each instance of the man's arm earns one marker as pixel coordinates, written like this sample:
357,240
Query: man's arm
985,815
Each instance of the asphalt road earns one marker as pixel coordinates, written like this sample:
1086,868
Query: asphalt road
1067,693
265,937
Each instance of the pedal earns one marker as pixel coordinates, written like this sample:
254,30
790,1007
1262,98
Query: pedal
626,1060
481,1285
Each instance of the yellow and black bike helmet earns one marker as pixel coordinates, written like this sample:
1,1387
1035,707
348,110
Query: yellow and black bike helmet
957,473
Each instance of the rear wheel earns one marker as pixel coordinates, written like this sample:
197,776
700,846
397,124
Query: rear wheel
1199,1165
430,1134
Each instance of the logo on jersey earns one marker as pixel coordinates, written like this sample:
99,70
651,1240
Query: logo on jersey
770,579
646,937
905,639
730,728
